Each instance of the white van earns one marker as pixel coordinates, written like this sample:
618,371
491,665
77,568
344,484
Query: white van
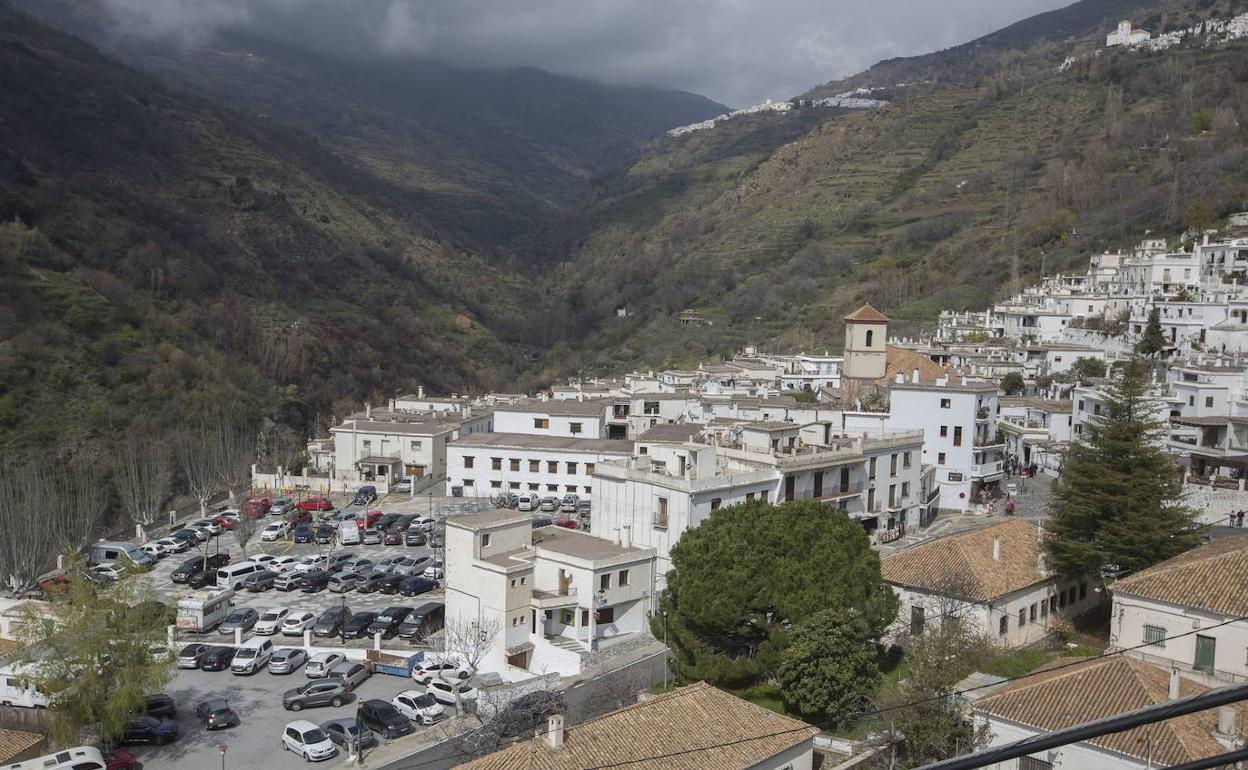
16,691
81,758
529,501
252,656
348,533
233,575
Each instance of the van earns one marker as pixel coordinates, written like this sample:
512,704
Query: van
80,758
234,575
348,533
15,690
105,551
252,656
427,619
529,501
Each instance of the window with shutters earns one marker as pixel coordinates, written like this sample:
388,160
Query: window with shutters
535,466
552,466
1155,635
589,469
541,423
496,463
515,464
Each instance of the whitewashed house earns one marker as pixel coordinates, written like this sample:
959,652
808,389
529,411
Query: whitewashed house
487,464
1126,35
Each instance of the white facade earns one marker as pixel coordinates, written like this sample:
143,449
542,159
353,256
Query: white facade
570,418
1126,36
1167,629
486,464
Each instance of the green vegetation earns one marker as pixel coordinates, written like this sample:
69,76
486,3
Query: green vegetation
1153,340
830,667
1013,383
1118,499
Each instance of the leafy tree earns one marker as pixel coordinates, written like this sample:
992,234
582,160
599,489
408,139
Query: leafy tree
1153,340
1118,499
742,578
92,657
1085,367
830,667
1013,383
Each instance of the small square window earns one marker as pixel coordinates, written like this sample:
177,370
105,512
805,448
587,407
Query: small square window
623,577
485,540
945,403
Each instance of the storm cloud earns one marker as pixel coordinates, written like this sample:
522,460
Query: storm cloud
736,51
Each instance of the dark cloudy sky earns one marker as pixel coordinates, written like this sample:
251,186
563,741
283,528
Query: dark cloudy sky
735,51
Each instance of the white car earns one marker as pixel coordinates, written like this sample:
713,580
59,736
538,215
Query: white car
295,623
319,665
207,524
111,571
434,571
280,564
277,530
307,740
270,620
424,523
420,707
440,669
155,550
173,544
281,506
444,691
402,485
306,564
263,559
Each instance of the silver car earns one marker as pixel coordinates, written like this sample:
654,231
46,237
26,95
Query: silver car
342,582
350,673
287,660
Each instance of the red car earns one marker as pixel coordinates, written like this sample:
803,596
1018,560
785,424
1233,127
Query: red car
226,522
315,504
565,522
118,759
299,516
257,506
55,585
369,519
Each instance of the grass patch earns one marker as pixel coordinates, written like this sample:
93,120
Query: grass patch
1016,662
765,695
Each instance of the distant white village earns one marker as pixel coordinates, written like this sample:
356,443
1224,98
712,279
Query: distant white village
858,99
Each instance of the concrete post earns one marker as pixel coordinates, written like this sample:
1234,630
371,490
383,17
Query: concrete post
377,641
307,638
173,519
60,562
238,636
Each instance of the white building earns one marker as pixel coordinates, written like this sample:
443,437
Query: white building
538,417
549,596
1201,589
384,445
1126,35
993,578
486,464
1036,431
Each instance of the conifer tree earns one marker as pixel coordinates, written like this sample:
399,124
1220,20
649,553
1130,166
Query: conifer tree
1153,339
1118,499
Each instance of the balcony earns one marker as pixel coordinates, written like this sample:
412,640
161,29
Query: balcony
546,600
658,522
840,492
986,470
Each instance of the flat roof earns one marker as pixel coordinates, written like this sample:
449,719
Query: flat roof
487,519
931,386
532,441
410,427
570,407
581,545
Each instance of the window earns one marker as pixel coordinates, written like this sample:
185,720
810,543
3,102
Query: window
1052,604
417,446
604,582
574,428
468,461
905,490
945,403
871,469
515,464
552,487
940,458
623,577
1208,400
605,615
1004,625
468,482
535,466
870,337
1206,651
749,496
485,540
496,463
588,490
534,487
496,484
589,469
367,445
552,466
917,618
1061,599
944,431
1031,613
1155,635
892,495
513,485
905,459
569,488
541,423
567,617
524,581
892,465
957,435
513,582
1044,609
650,407
1031,763
1022,616
571,469
660,518
766,493
715,503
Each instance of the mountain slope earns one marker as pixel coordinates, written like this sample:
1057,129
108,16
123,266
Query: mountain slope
160,253
915,206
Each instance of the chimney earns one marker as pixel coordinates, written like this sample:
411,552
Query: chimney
914,375
1174,686
899,378
942,380
368,411
627,538
420,391
1227,732
619,540
554,731
996,549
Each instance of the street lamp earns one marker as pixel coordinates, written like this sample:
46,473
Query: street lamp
222,749
665,650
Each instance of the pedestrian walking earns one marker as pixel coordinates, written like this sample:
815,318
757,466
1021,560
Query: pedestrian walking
1239,519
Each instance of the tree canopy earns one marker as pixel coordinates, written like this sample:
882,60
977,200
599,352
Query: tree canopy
1118,498
1013,383
831,666
1153,339
741,579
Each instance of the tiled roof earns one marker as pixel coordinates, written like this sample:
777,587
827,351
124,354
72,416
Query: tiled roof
15,742
681,432
1102,687
1213,577
10,646
962,564
868,314
697,727
564,407
903,361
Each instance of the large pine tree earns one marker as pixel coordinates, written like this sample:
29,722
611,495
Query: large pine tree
1118,499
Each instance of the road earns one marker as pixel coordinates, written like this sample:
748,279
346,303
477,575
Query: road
586,700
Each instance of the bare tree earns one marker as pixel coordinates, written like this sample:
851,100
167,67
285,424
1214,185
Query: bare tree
234,447
141,476
469,641
78,493
197,458
244,530
25,549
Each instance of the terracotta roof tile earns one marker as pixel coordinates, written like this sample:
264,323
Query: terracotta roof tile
15,742
868,314
714,730
1213,577
904,361
963,563
1102,687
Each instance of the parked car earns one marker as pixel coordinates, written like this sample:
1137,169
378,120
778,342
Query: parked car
370,581
214,527
419,707
192,536
173,544
161,706
369,519
307,740
436,668
384,718
386,562
335,560
388,621
120,759
216,714
319,664
331,692
275,530
364,495
345,732
252,656
155,550
415,536
110,572
287,660
529,501
191,655
298,516
240,617
411,565
569,502
341,582
263,559
566,523
325,534
314,581
183,571
392,537
331,621
415,586
307,564
403,485
145,729
351,673
281,506
437,538
260,581
426,619
226,520
371,536
318,503
217,659
203,578
550,504
445,691
434,571
357,626
287,581
542,521
386,520
295,623
584,508
280,564
391,584
303,533
257,505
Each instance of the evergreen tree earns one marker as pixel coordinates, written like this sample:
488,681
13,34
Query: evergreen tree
1118,499
742,578
1013,383
1153,339
830,667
